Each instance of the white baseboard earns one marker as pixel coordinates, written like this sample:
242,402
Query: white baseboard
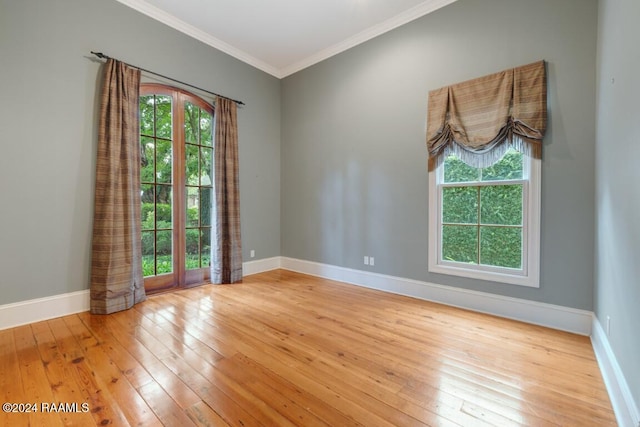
260,265
553,316
563,318
35,310
627,413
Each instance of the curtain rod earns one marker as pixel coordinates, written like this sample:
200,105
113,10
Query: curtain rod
103,56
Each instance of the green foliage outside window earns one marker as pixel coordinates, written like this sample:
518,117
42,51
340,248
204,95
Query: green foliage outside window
161,242
482,222
156,173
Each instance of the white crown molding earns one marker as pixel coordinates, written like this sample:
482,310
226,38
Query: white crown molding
160,15
414,13
627,413
177,24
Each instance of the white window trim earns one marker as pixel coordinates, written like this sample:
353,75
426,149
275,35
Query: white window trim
530,274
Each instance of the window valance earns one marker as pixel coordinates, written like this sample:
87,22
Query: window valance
479,119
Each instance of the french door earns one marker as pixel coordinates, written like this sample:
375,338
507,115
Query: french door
176,143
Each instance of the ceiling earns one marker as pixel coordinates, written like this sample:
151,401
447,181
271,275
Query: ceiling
281,37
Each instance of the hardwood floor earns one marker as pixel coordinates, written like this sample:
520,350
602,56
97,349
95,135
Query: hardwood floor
286,349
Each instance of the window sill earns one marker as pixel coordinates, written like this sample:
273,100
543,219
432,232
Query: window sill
531,280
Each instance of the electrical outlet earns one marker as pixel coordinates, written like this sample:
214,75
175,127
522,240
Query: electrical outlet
252,254
372,261
366,260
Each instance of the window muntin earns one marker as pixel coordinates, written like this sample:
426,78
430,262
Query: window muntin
199,185
484,222
176,137
156,140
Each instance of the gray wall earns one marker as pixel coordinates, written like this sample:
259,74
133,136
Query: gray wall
48,116
354,178
353,159
618,183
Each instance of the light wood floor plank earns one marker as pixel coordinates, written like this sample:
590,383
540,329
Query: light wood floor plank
103,408
133,406
133,339
202,415
11,381
287,349
32,372
59,378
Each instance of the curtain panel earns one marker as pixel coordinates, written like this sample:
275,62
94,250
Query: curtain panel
116,266
479,119
226,265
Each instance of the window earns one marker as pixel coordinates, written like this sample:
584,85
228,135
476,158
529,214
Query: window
176,137
484,222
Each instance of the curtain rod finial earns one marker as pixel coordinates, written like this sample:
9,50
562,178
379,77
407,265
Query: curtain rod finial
100,55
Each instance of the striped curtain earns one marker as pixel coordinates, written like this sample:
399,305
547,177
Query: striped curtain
116,267
480,119
226,265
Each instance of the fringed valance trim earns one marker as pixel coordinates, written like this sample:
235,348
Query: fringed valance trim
514,135
489,157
